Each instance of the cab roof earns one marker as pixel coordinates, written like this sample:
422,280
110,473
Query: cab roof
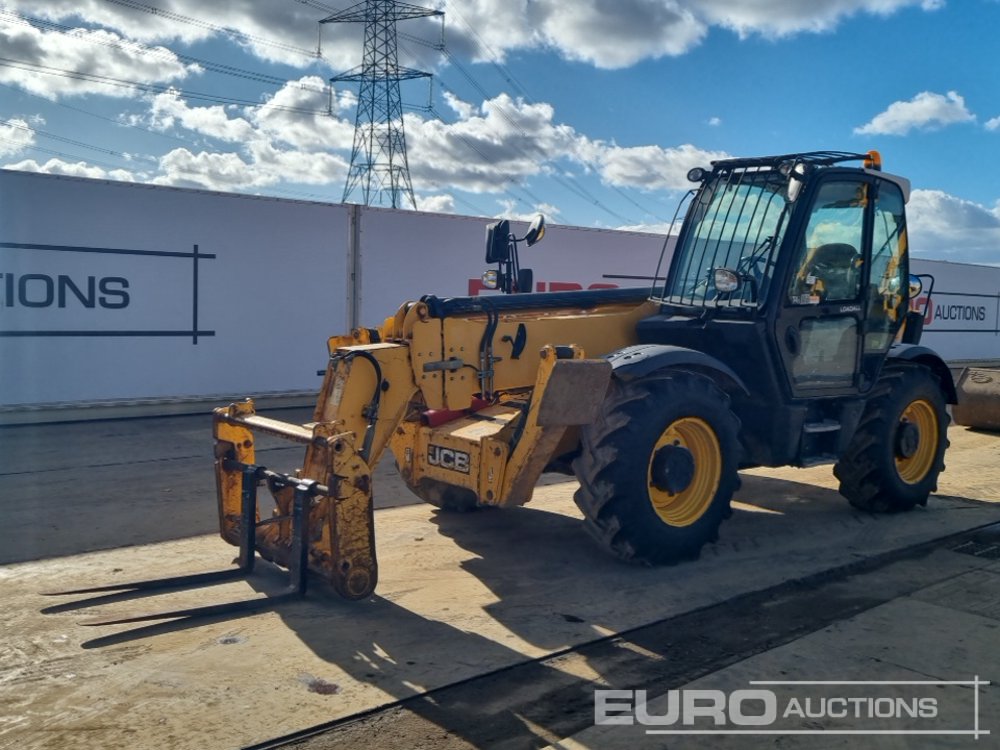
813,158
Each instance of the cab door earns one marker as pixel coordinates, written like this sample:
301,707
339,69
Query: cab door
886,291
821,324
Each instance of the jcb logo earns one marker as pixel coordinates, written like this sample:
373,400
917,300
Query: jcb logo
447,458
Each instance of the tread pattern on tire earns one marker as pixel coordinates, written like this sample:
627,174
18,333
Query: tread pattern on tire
867,472
627,526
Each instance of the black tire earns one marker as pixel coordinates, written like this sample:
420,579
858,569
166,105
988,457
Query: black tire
897,452
618,455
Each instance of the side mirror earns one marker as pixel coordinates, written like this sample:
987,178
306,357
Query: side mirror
916,286
498,242
536,231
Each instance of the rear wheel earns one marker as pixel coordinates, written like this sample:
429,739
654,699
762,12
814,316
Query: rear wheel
658,467
897,452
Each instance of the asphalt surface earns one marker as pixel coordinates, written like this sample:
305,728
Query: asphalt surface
71,485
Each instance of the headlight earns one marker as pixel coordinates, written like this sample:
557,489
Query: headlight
490,279
726,280
697,174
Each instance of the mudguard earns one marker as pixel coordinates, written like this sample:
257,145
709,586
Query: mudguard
643,359
928,358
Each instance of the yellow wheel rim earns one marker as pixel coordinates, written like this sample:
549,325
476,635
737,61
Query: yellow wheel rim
687,506
912,469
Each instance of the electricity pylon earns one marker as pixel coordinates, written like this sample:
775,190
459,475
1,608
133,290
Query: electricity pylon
378,159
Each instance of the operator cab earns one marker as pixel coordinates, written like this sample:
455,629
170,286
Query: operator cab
794,271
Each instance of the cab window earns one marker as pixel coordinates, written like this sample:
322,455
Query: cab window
889,267
828,266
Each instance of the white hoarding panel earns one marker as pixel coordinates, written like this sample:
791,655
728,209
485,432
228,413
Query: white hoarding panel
116,291
405,255
962,320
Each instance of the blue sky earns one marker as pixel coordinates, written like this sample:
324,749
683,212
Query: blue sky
589,110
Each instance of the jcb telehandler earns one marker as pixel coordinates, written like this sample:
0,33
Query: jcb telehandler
781,335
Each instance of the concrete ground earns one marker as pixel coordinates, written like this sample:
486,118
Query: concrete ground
516,610
939,622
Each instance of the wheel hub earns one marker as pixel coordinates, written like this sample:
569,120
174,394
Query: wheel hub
907,440
673,469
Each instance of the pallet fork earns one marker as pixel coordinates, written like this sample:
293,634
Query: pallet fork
303,491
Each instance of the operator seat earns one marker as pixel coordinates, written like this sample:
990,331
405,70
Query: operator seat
837,266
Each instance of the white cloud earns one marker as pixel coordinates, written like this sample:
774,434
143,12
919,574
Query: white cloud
776,18
652,167
656,228
262,160
616,34
274,145
927,111
169,110
310,167
438,204
264,165
15,137
605,33
946,227
507,141
71,169
95,52
464,110
509,210
612,34
489,149
714,121
275,31
992,124
308,131
216,171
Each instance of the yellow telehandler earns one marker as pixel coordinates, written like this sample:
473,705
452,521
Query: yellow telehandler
780,335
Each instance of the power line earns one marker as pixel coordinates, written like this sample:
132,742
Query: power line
318,6
575,188
63,139
165,53
494,58
225,30
61,154
257,76
471,145
93,114
151,87
509,77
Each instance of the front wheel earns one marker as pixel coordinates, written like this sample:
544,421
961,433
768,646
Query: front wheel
897,451
658,467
